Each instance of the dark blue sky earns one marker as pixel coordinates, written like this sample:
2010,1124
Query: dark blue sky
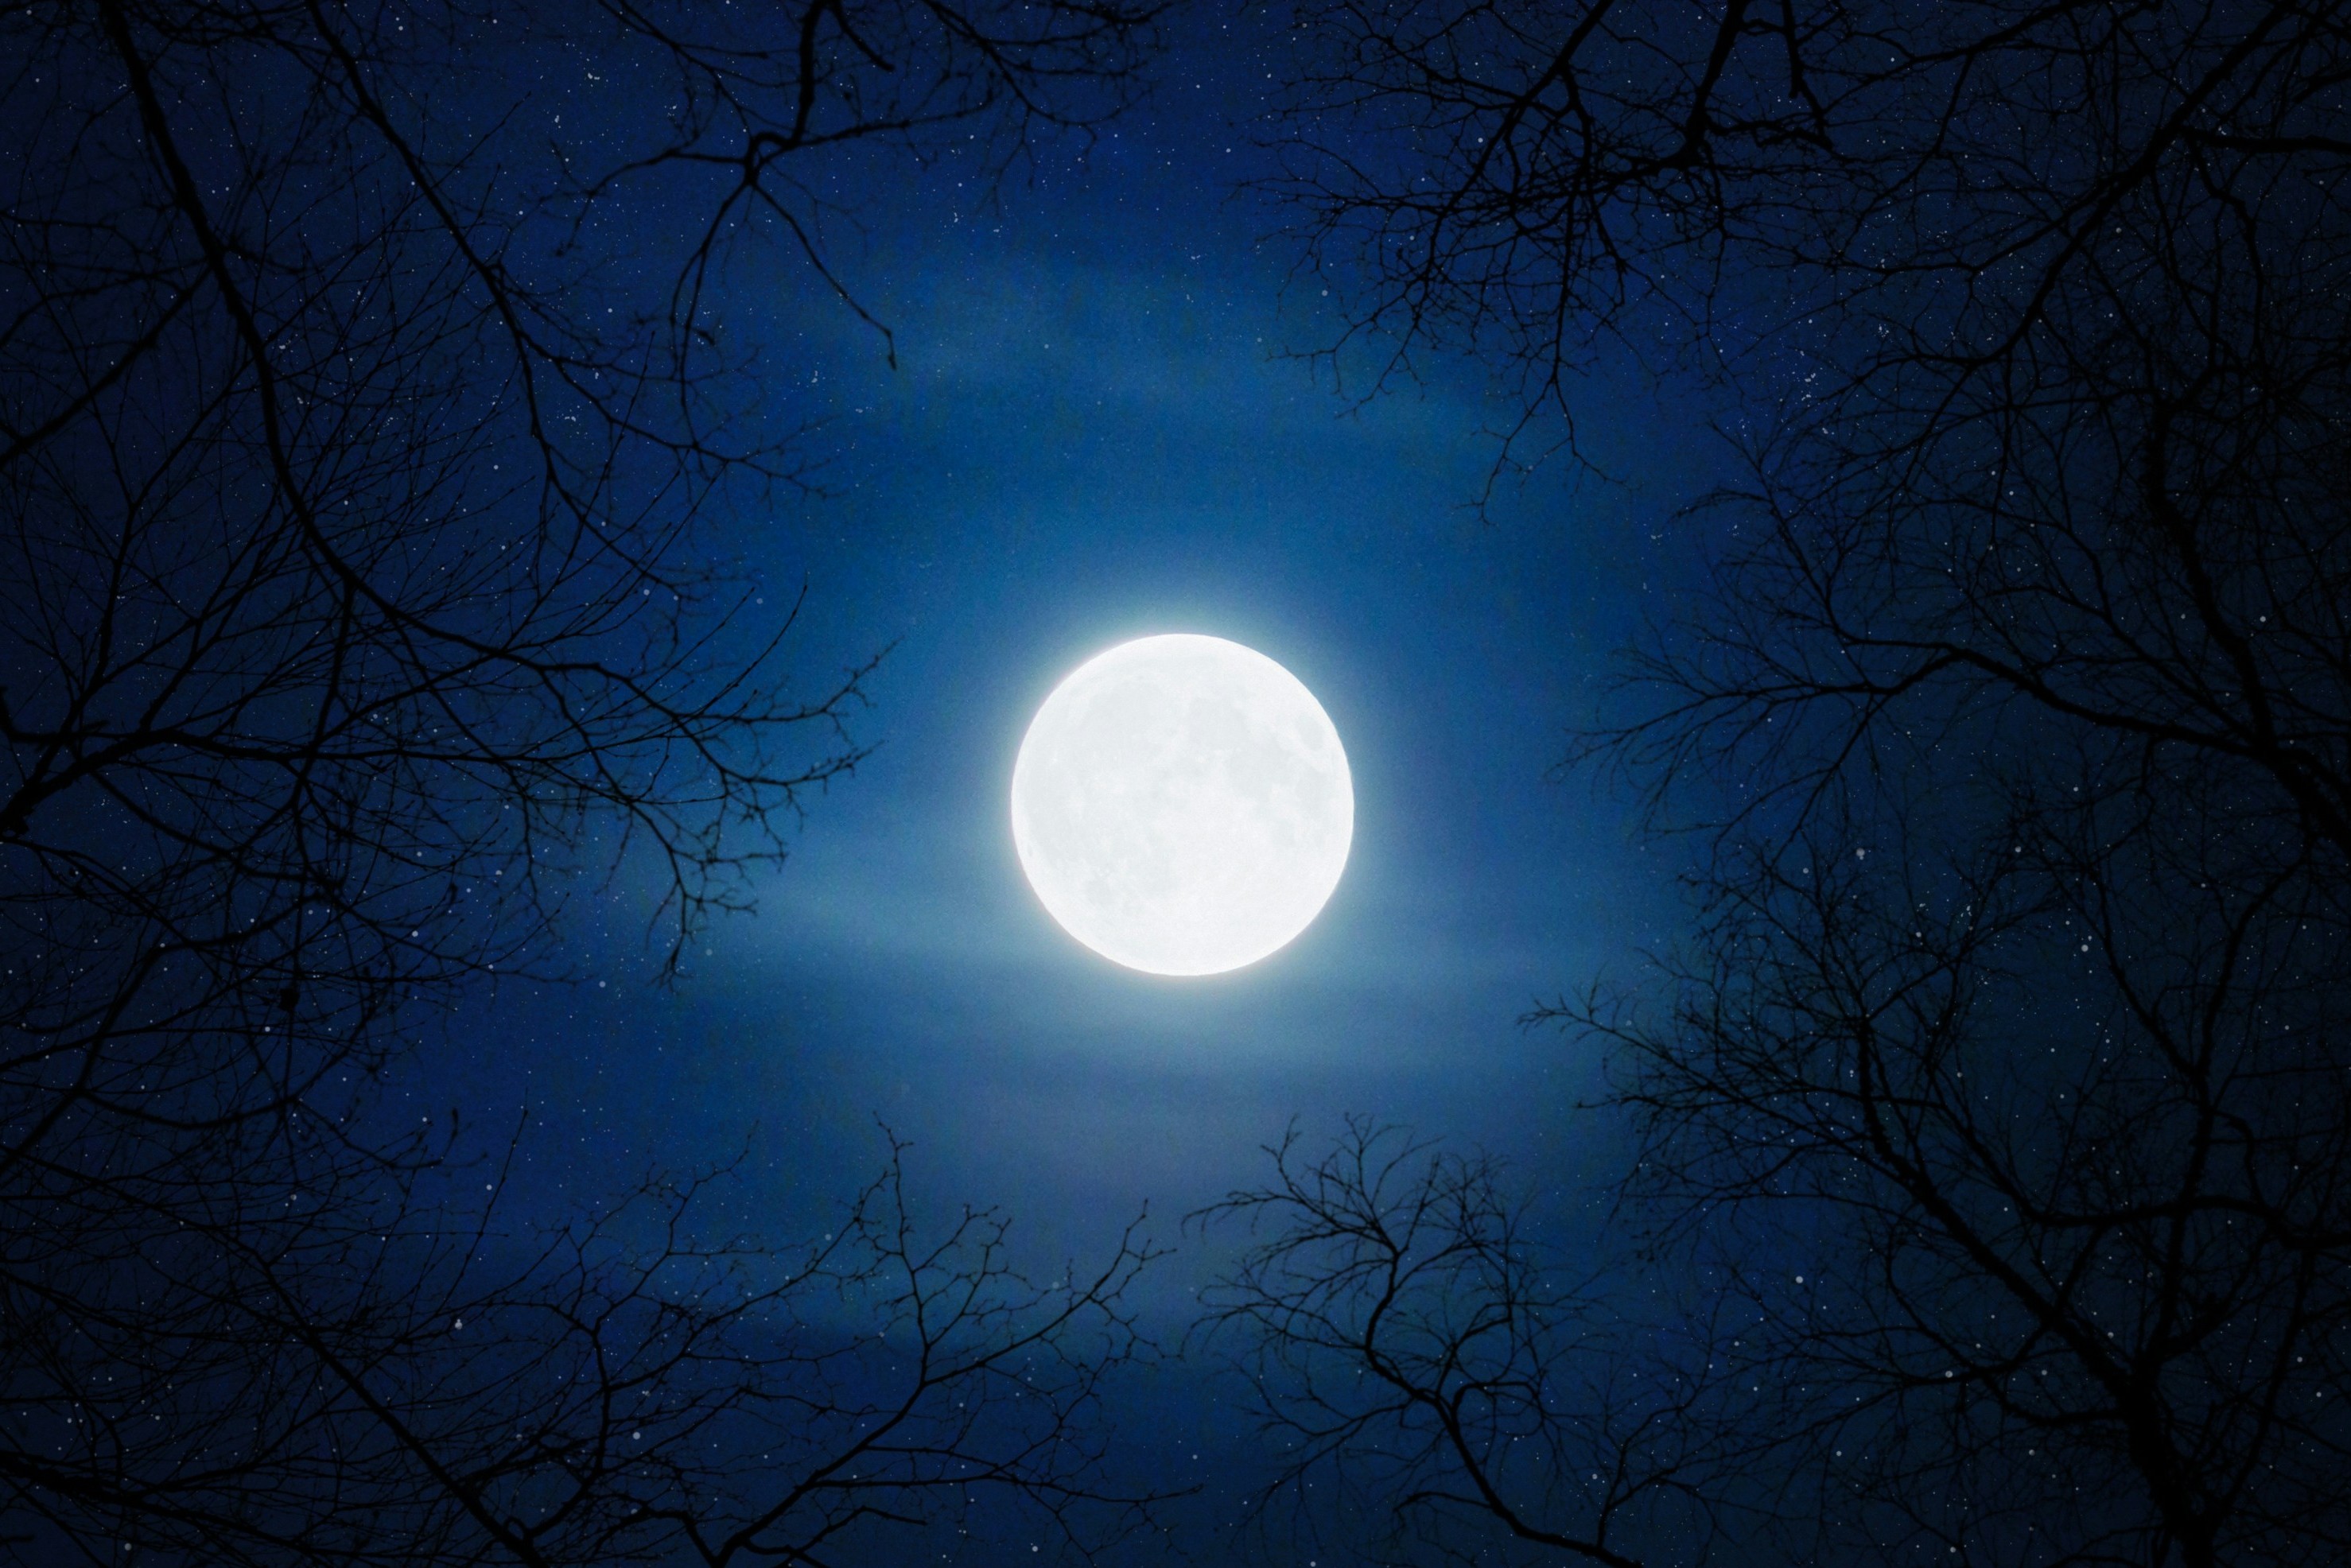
390,394
1092,433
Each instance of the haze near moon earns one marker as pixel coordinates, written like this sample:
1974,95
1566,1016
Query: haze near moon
1182,805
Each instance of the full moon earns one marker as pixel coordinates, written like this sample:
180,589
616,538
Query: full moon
1182,805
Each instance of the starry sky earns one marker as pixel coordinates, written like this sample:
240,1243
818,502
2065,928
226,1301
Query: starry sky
1993,1123
1098,428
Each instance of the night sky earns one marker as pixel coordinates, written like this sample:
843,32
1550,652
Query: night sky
1098,429
1822,531
1094,434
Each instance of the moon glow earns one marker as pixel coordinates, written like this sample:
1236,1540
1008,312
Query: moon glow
1182,805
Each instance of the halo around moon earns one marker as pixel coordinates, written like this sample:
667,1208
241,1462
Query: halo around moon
1182,805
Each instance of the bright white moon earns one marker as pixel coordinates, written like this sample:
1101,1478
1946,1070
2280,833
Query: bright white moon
1182,805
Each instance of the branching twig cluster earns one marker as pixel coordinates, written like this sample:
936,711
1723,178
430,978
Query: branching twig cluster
367,464
2016,725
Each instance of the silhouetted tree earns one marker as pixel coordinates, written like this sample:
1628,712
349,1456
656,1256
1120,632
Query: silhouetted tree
390,1386
367,458
2019,712
2044,1196
1432,1369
